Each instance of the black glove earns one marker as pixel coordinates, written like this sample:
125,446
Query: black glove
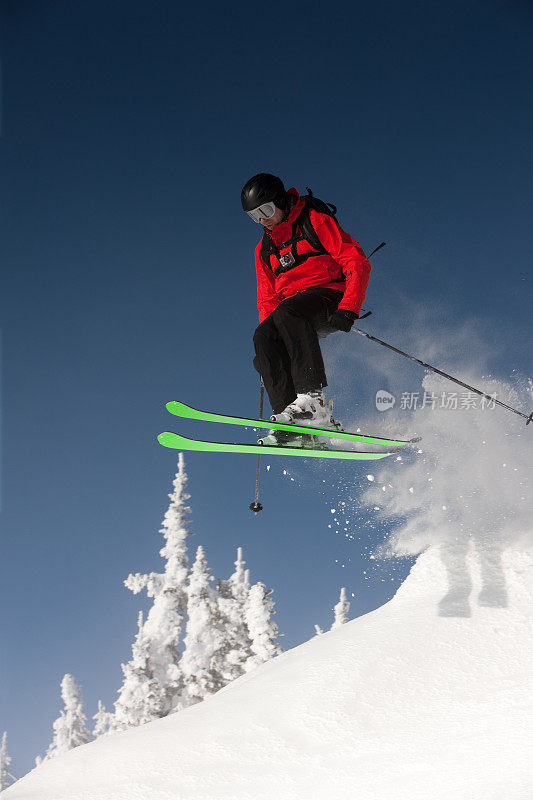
343,320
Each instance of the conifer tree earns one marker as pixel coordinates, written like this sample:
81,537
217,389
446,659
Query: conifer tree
103,721
5,776
204,636
262,629
141,695
341,611
152,679
230,658
69,728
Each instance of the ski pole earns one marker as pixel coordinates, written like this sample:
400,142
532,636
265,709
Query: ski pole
256,506
445,375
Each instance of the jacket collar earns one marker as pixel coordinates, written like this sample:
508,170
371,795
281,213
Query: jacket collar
283,230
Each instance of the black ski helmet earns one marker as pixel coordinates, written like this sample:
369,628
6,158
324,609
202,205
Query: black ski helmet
263,188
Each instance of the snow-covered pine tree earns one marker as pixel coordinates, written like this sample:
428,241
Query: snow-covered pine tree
341,611
5,776
204,636
262,629
152,679
141,695
69,728
230,658
103,721
318,630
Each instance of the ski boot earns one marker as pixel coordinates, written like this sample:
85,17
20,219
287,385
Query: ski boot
311,409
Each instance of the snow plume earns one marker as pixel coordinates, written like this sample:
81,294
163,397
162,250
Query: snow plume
467,480
152,679
466,485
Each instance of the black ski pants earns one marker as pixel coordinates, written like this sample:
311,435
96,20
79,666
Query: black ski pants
288,355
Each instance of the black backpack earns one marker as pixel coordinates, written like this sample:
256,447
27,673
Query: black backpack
302,228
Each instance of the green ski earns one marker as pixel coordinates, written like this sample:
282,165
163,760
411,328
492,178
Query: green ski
183,410
178,442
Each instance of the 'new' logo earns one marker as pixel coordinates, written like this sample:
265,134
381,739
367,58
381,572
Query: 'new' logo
384,400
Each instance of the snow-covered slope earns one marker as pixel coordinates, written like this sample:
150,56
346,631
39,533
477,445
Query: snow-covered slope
429,696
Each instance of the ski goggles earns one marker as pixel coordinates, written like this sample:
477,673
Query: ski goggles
265,211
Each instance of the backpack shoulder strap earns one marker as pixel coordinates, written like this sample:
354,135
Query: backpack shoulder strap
267,249
306,227
304,220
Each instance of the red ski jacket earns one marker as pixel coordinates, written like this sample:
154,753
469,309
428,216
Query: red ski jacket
344,266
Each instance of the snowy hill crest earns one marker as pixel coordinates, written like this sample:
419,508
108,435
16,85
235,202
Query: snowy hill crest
404,702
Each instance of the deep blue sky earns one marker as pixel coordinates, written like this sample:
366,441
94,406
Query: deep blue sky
127,281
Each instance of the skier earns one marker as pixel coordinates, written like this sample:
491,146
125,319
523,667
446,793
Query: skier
311,280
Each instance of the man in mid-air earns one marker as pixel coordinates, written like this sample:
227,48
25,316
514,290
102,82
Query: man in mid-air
311,280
